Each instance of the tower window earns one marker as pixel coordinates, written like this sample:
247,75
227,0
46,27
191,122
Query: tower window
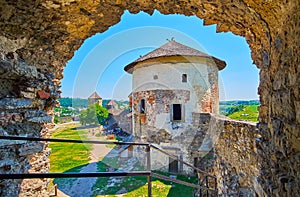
177,114
184,78
142,106
155,77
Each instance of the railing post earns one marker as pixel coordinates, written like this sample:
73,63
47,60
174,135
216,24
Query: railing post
200,183
149,169
207,186
216,186
55,190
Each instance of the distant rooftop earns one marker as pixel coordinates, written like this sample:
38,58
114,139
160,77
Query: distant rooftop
111,102
95,96
173,48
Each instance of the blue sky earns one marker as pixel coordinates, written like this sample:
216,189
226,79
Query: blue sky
99,62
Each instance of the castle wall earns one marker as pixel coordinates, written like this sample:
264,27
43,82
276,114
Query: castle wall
236,162
25,101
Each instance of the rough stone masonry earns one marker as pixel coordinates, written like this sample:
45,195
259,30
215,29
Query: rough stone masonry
38,37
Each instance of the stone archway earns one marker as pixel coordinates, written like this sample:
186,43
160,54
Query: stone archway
38,38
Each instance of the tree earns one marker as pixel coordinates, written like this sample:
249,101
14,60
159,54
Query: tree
94,114
56,120
82,117
102,113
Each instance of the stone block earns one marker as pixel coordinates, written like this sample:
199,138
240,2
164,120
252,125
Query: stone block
44,119
20,103
43,94
30,148
6,162
26,94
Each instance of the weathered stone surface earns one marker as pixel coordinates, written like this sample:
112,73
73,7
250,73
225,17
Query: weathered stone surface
45,119
43,95
46,34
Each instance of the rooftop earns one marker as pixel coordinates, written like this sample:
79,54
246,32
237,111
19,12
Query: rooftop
111,102
95,96
173,48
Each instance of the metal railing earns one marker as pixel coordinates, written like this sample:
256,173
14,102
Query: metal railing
204,188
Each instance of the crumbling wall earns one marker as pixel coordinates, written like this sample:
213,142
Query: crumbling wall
234,144
45,34
25,99
237,162
157,110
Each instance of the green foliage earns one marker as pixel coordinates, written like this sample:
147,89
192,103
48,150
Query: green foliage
73,102
83,117
249,113
226,110
240,110
56,120
94,114
240,102
234,109
102,114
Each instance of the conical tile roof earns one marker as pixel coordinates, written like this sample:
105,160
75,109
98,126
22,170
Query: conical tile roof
95,96
173,48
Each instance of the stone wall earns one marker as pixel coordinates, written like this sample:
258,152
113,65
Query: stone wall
43,35
237,162
157,109
25,100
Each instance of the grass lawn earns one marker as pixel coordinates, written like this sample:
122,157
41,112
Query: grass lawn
137,186
250,113
69,156
159,189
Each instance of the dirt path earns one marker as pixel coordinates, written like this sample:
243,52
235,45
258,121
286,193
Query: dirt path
82,187
56,126
99,150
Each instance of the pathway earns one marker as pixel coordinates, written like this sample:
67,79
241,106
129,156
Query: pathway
83,186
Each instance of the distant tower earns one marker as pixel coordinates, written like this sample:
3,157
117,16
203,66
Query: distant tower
95,98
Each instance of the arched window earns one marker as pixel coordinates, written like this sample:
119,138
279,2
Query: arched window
142,106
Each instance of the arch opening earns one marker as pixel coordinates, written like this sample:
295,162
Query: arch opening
98,51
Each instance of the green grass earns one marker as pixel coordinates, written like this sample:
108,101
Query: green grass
102,166
137,186
250,110
69,156
110,145
159,189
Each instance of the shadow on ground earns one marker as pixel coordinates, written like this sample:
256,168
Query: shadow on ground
128,186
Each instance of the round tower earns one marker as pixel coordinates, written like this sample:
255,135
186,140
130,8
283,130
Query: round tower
171,83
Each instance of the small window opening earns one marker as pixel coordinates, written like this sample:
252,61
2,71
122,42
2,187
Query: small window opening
155,77
142,106
177,112
173,165
184,78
